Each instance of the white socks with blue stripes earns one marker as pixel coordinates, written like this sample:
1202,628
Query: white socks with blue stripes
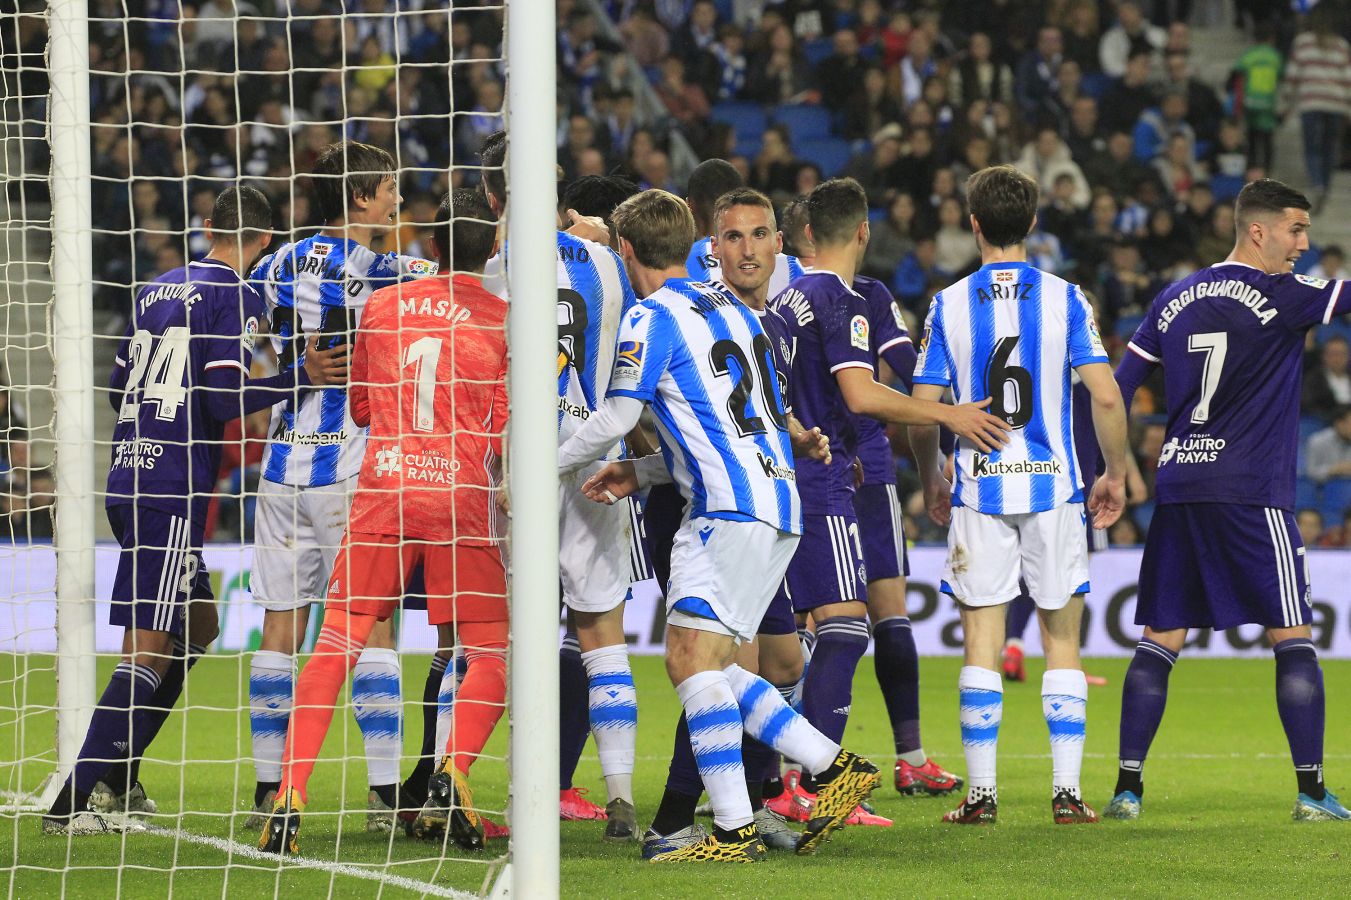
715,736
271,685
982,709
377,698
770,720
613,704
1064,700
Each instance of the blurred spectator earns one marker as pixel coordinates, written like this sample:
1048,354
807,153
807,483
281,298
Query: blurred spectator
1035,81
915,172
685,100
1319,80
1331,264
774,171
1328,453
730,54
871,109
1256,80
1214,245
918,67
1125,533
1045,251
978,76
892,239
1128,98
1204,111
1163,247
1310,523
1082,34
644,37
1117,170
1196,213
1127,288
780,74
1327,386
877,170
1131,34
1157,125
1047,158
1059,215
1082,135
1178,171
841,73
916,274
955,248
1229,166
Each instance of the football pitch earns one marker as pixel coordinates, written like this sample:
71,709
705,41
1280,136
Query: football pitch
1216,815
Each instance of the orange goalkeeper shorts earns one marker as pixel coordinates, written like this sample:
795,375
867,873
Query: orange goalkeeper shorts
465,582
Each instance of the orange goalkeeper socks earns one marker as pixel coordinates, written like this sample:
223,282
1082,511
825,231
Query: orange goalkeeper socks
482,696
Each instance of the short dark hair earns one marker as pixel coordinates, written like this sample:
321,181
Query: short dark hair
598,195
742,196
493,155
710,180
793,224
835,208
347,170
465,230
243,210
1264,197
1004,202
658,225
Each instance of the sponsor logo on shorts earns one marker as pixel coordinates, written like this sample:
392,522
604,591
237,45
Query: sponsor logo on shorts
773,470
858,332
984,467
1199,448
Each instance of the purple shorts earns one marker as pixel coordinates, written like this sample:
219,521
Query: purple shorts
640,553
828,565
159,569
779,617
1219,565
662,514
879,524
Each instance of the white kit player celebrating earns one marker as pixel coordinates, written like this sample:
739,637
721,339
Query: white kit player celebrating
1013,333
320,285
701,359
595,542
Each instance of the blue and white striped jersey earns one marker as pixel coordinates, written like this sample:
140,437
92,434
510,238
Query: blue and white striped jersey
593,293
702,360
704,266
1012,333
320,284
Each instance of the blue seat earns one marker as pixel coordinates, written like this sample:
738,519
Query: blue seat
1307,494
1336,498
1095,84
831,154
817,50
1126,326
1308,425
748,147
746,118
1143,515
804,122
876,215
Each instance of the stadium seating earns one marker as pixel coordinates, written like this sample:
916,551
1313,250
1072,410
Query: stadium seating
804,122
747,118
831,154
1336,498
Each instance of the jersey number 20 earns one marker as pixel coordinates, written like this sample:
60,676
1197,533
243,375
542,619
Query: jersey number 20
726,352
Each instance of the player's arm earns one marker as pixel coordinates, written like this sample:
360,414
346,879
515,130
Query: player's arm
1109,425
358,388
865,397
900,357
117,382
809,442
928,461
625,478
604,428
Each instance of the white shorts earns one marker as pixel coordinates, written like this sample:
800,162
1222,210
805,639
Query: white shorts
594,547
729,568
297,533
986,555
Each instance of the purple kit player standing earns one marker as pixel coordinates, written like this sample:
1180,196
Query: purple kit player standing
1223,548
180,375
832,382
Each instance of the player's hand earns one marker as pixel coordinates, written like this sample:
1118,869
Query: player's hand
811,443
1107,500
612,483
970,421
590,228
326,367
950,468
938,501
858,473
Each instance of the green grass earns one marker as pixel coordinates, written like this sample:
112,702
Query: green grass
1216,815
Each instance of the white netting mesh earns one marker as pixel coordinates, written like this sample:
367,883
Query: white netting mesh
186,100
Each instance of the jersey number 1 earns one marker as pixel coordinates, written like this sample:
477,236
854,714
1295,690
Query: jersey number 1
423,355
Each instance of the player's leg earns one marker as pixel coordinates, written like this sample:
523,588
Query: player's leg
574,727
1020,613
827,579
596,572
1144,696
156,569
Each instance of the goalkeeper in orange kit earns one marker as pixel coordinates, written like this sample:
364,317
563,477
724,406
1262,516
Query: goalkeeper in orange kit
428,376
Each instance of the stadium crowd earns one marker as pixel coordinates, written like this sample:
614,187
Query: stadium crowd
1138,158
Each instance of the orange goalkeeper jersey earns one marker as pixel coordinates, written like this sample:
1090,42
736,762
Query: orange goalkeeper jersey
429,377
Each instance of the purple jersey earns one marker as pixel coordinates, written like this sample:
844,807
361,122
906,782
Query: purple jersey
781,340
830,331
166,443
1231,342
891,342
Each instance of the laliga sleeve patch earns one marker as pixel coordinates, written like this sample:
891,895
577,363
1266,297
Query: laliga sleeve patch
421,267
858,332
250,334
900,319
1311,281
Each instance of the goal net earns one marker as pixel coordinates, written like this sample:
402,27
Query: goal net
141,459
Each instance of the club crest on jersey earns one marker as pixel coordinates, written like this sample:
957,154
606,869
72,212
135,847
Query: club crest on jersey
858,332
630,354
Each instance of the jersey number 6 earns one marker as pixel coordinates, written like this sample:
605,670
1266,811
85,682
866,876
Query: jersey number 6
999,375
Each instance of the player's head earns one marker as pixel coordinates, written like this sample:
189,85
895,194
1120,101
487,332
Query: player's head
793,227
655,230
355,184
1272,221
745,240
241,219
493,155
1003,205
837,216
464,235
710,180
598,195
